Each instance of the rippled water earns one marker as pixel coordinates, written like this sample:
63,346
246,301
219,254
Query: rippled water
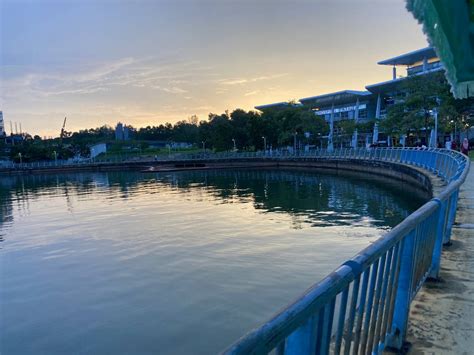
172,263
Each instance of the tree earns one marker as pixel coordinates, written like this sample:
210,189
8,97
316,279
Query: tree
299,121
423,93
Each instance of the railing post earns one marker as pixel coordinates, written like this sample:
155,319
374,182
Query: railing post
302,340
401,312
438,247
451,216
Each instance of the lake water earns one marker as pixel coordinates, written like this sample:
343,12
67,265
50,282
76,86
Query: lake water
173,263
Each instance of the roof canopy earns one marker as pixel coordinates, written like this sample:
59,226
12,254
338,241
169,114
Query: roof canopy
336,98
277,106
449,25
385,86
411,57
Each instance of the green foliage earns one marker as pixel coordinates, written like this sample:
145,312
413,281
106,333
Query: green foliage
346,126
295,120
423,94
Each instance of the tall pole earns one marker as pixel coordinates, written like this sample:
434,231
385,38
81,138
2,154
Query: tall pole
378,107
435,114
233,141
455,126
356,120
264,143
331,130
294,142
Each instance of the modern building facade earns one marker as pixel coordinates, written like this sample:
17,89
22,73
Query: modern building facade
368,105
122,132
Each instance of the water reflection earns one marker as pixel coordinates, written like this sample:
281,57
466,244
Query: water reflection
173,263
316,200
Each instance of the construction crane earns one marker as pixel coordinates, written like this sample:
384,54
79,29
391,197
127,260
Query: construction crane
61,136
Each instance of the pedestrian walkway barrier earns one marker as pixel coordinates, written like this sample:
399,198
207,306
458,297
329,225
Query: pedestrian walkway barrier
362,307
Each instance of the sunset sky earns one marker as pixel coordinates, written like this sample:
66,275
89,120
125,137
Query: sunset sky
148,62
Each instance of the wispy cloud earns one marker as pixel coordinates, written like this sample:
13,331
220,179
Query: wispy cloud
174,90
240,81
250,93
92,79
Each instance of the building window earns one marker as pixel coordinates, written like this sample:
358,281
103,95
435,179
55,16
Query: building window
363,113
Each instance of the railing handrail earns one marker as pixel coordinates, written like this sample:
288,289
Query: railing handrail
268,336
402,258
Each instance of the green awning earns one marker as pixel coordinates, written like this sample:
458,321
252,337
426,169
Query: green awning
449,25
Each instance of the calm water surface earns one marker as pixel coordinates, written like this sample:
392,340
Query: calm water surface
172,263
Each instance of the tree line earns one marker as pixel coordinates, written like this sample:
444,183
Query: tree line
250,130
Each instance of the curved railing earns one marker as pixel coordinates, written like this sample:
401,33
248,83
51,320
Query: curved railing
363,306
412,156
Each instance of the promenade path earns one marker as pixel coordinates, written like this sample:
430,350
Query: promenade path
442,314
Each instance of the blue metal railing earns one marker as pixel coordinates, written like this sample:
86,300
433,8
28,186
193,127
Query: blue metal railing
362,307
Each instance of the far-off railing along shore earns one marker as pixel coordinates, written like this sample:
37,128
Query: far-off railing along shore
362,307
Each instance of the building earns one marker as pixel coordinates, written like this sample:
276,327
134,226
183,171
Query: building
367,105
421,62
98,149
126,133
2,125
122,132
119,132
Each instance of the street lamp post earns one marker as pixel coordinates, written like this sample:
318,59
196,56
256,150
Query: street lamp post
235,147
294,141
264,144
19,156
453,121
435,114
55,157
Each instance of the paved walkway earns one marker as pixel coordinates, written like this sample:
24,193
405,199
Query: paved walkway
442,315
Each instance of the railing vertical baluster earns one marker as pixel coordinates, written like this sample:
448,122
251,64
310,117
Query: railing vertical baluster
327,327
341,321
382,301
376,302
451,215
403,293
370,304
360,311
352,313
392,290
302,340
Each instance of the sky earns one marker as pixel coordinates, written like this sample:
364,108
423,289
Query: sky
150,62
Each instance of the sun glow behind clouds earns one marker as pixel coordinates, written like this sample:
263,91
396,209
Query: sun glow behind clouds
147,63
